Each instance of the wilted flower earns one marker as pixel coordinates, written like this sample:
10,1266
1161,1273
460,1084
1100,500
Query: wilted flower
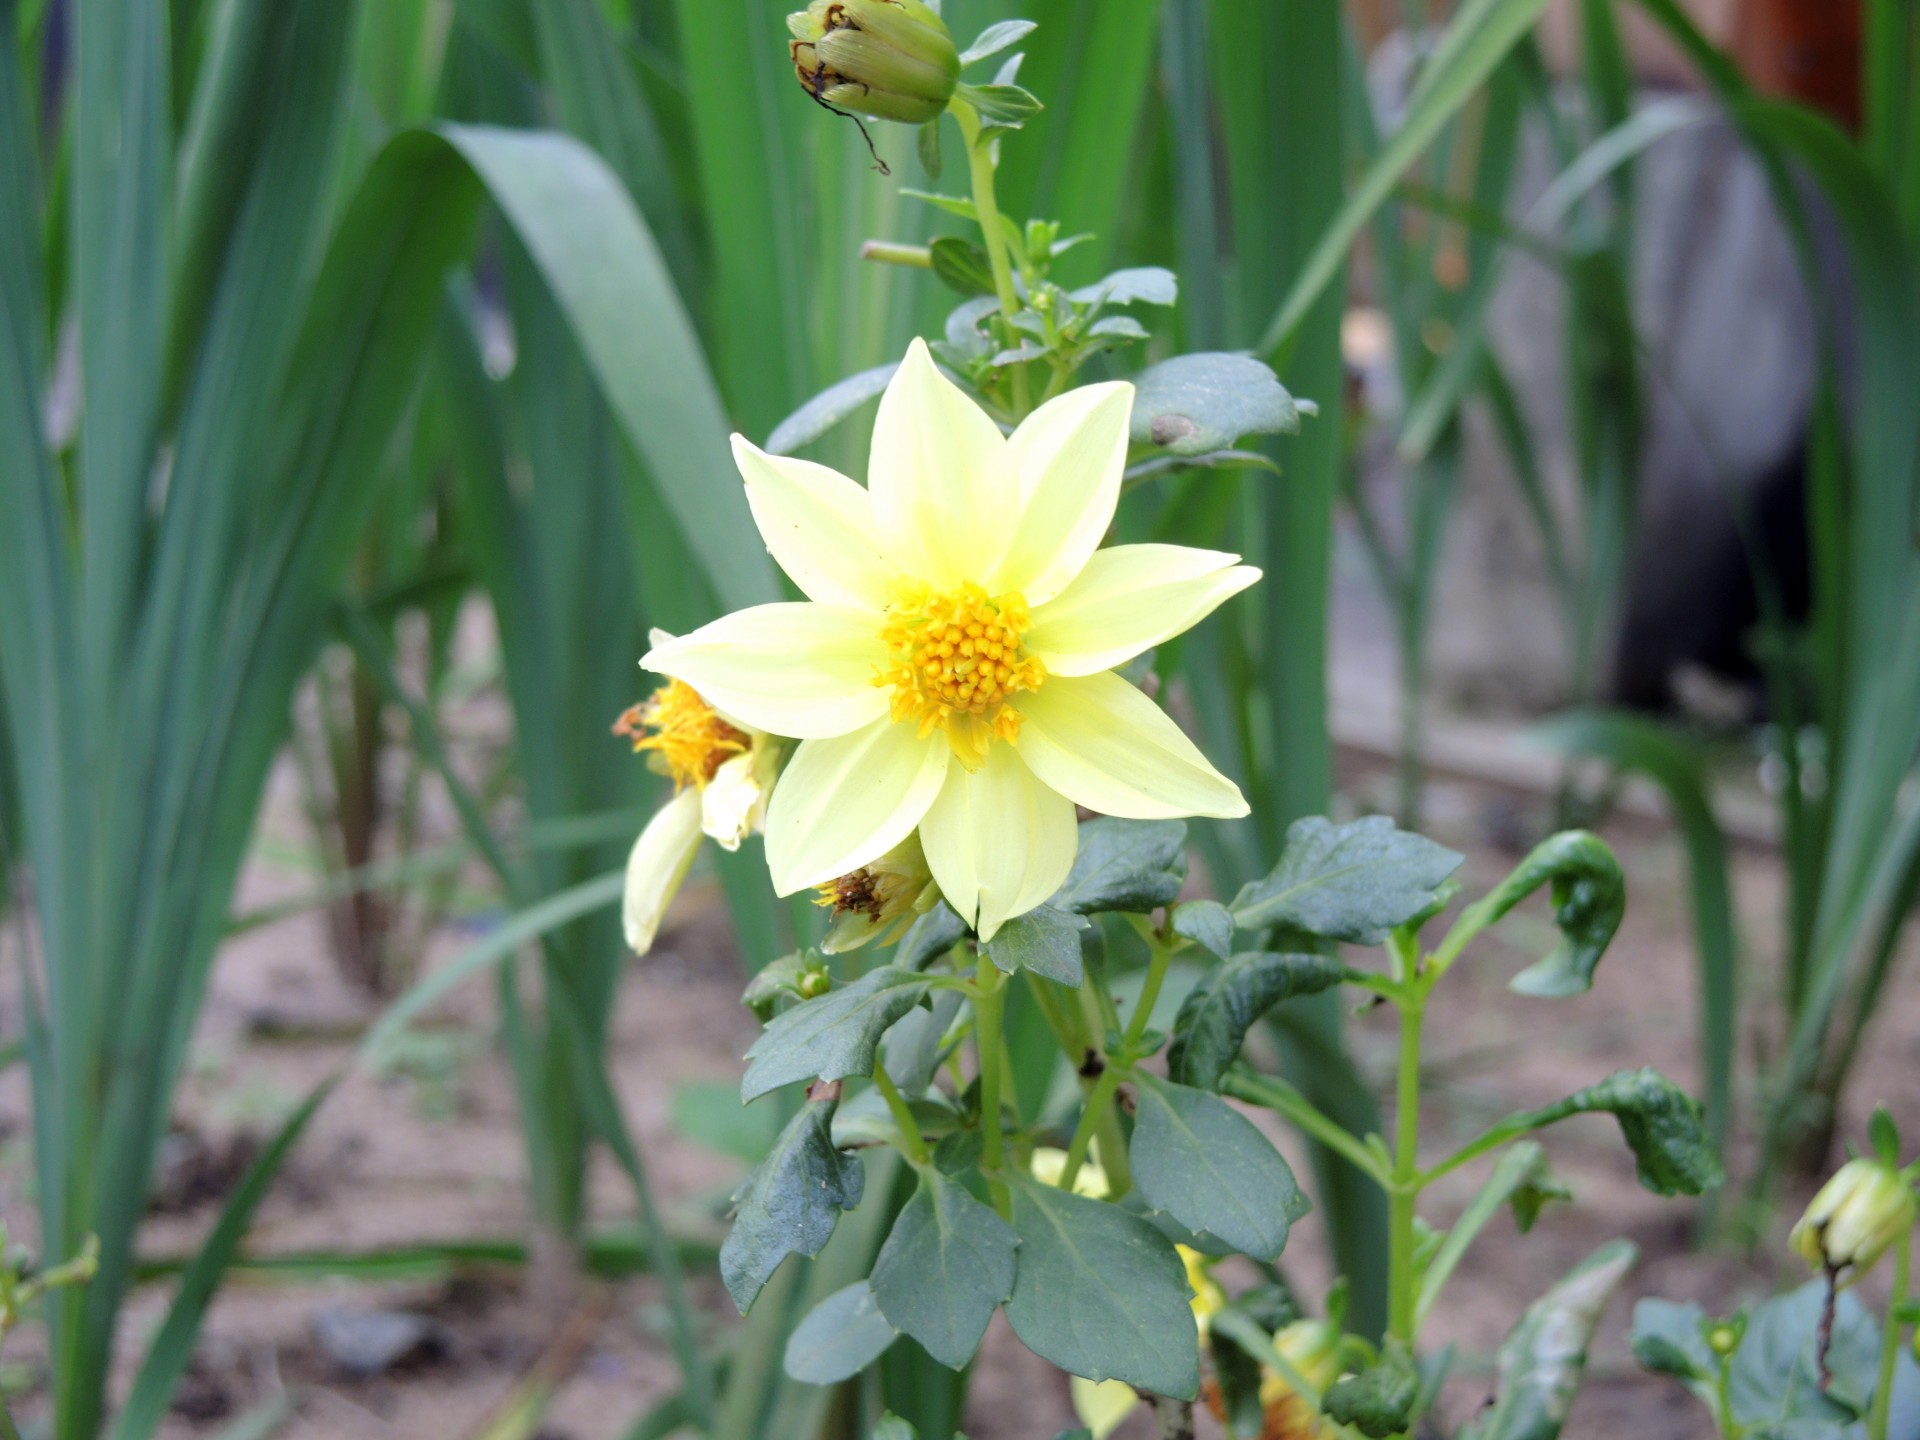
879,900
892,59
1861,1211
721,772
954,670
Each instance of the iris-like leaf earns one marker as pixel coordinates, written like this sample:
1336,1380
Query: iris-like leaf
1217,1013
1351,882
839,1337
1203,1162
1135,865
1196,403
1541,1362
791,1202
948,1264
1045,941
832,1036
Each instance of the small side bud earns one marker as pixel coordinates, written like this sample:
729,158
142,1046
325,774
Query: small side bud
891,59
1856,1216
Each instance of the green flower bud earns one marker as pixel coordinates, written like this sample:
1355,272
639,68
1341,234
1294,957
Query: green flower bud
1862,1210
892,59
1723,1340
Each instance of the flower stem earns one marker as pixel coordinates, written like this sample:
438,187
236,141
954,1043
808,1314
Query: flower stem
902,1115
1405,1189
1890,1339
989,1011
1158,956
1091,1115
987,208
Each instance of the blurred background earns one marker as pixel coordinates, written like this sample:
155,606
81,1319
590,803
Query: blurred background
365,372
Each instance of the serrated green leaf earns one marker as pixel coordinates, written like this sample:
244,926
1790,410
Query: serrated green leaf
1002,106
1135,865
1140,284
1203,1162
1542,1361
1195,403
1660,1121
1589,897
1044,941
1101,1293
1351,882
1205,922
1377,1401
828,409
948,1264
1217,1013
832,1036
839,1337
791,1202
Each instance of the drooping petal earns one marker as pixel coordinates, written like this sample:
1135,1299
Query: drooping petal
848,800
656,865
734,804
1068,457
1129,598
944,497
818,525
999,842
792,668
1104,745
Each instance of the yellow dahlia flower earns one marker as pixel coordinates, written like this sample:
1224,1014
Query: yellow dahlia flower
952,666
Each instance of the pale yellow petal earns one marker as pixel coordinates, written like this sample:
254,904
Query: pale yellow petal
793,668
818,525
656,865
734,803
1103,1405
845,801
942,493
1104,745
998,841
1068,457
1129,598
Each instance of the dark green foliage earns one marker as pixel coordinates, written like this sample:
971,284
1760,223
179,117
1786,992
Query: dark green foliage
1351,882
1217,1013
1045,941
791,1202
1377,1401
1207,923
1660,1121
834,1035
948,1264
1135,865
1101,1293
1589,897
1203,1162
839,1337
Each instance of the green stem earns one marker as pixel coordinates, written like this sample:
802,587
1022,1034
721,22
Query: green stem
1405,1189
987,208
892,252
1159,955
1723,1400
1283,1099
1099,1102
1890,1338
902,1115
989,1012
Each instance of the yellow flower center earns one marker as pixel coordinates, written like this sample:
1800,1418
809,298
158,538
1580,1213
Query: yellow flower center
955,661
688,740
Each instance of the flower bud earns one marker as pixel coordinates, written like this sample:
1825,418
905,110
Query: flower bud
880,899
1862,1210
892,59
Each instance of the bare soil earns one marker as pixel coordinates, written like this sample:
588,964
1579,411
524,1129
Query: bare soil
434,1155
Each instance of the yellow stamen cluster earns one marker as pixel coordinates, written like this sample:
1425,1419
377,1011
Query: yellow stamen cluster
688,740
956,655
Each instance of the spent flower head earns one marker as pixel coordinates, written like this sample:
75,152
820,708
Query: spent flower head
1855,1217
879,900
953,668
892,59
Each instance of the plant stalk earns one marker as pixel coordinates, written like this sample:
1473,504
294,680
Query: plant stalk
1877,1417
987,208
989,1014
1405,1189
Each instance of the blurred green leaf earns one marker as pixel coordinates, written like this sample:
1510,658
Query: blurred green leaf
1045,941
1006,105
961,265
1193,404
828,409
1377,1401
839,1337
1205,922
995,38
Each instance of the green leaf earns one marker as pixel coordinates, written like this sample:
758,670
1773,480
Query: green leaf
709,1113
1195,403
892,1427
1660,1121
1203,1162
839,1337
1378,1401
995,38
1217,1013
1775,1375
1135,865
1160,466
948,1264
1002,105
1669,1339
1351,882
791,1202
927,143
1140,284
962,265
1045,941
911,1050
1542,1361
776,983
832,1036
1589,897
1101,1293
828,409
931,936
1205,922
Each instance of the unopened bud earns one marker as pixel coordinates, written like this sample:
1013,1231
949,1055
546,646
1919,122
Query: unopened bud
1723,1341
892,59
1862,1210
